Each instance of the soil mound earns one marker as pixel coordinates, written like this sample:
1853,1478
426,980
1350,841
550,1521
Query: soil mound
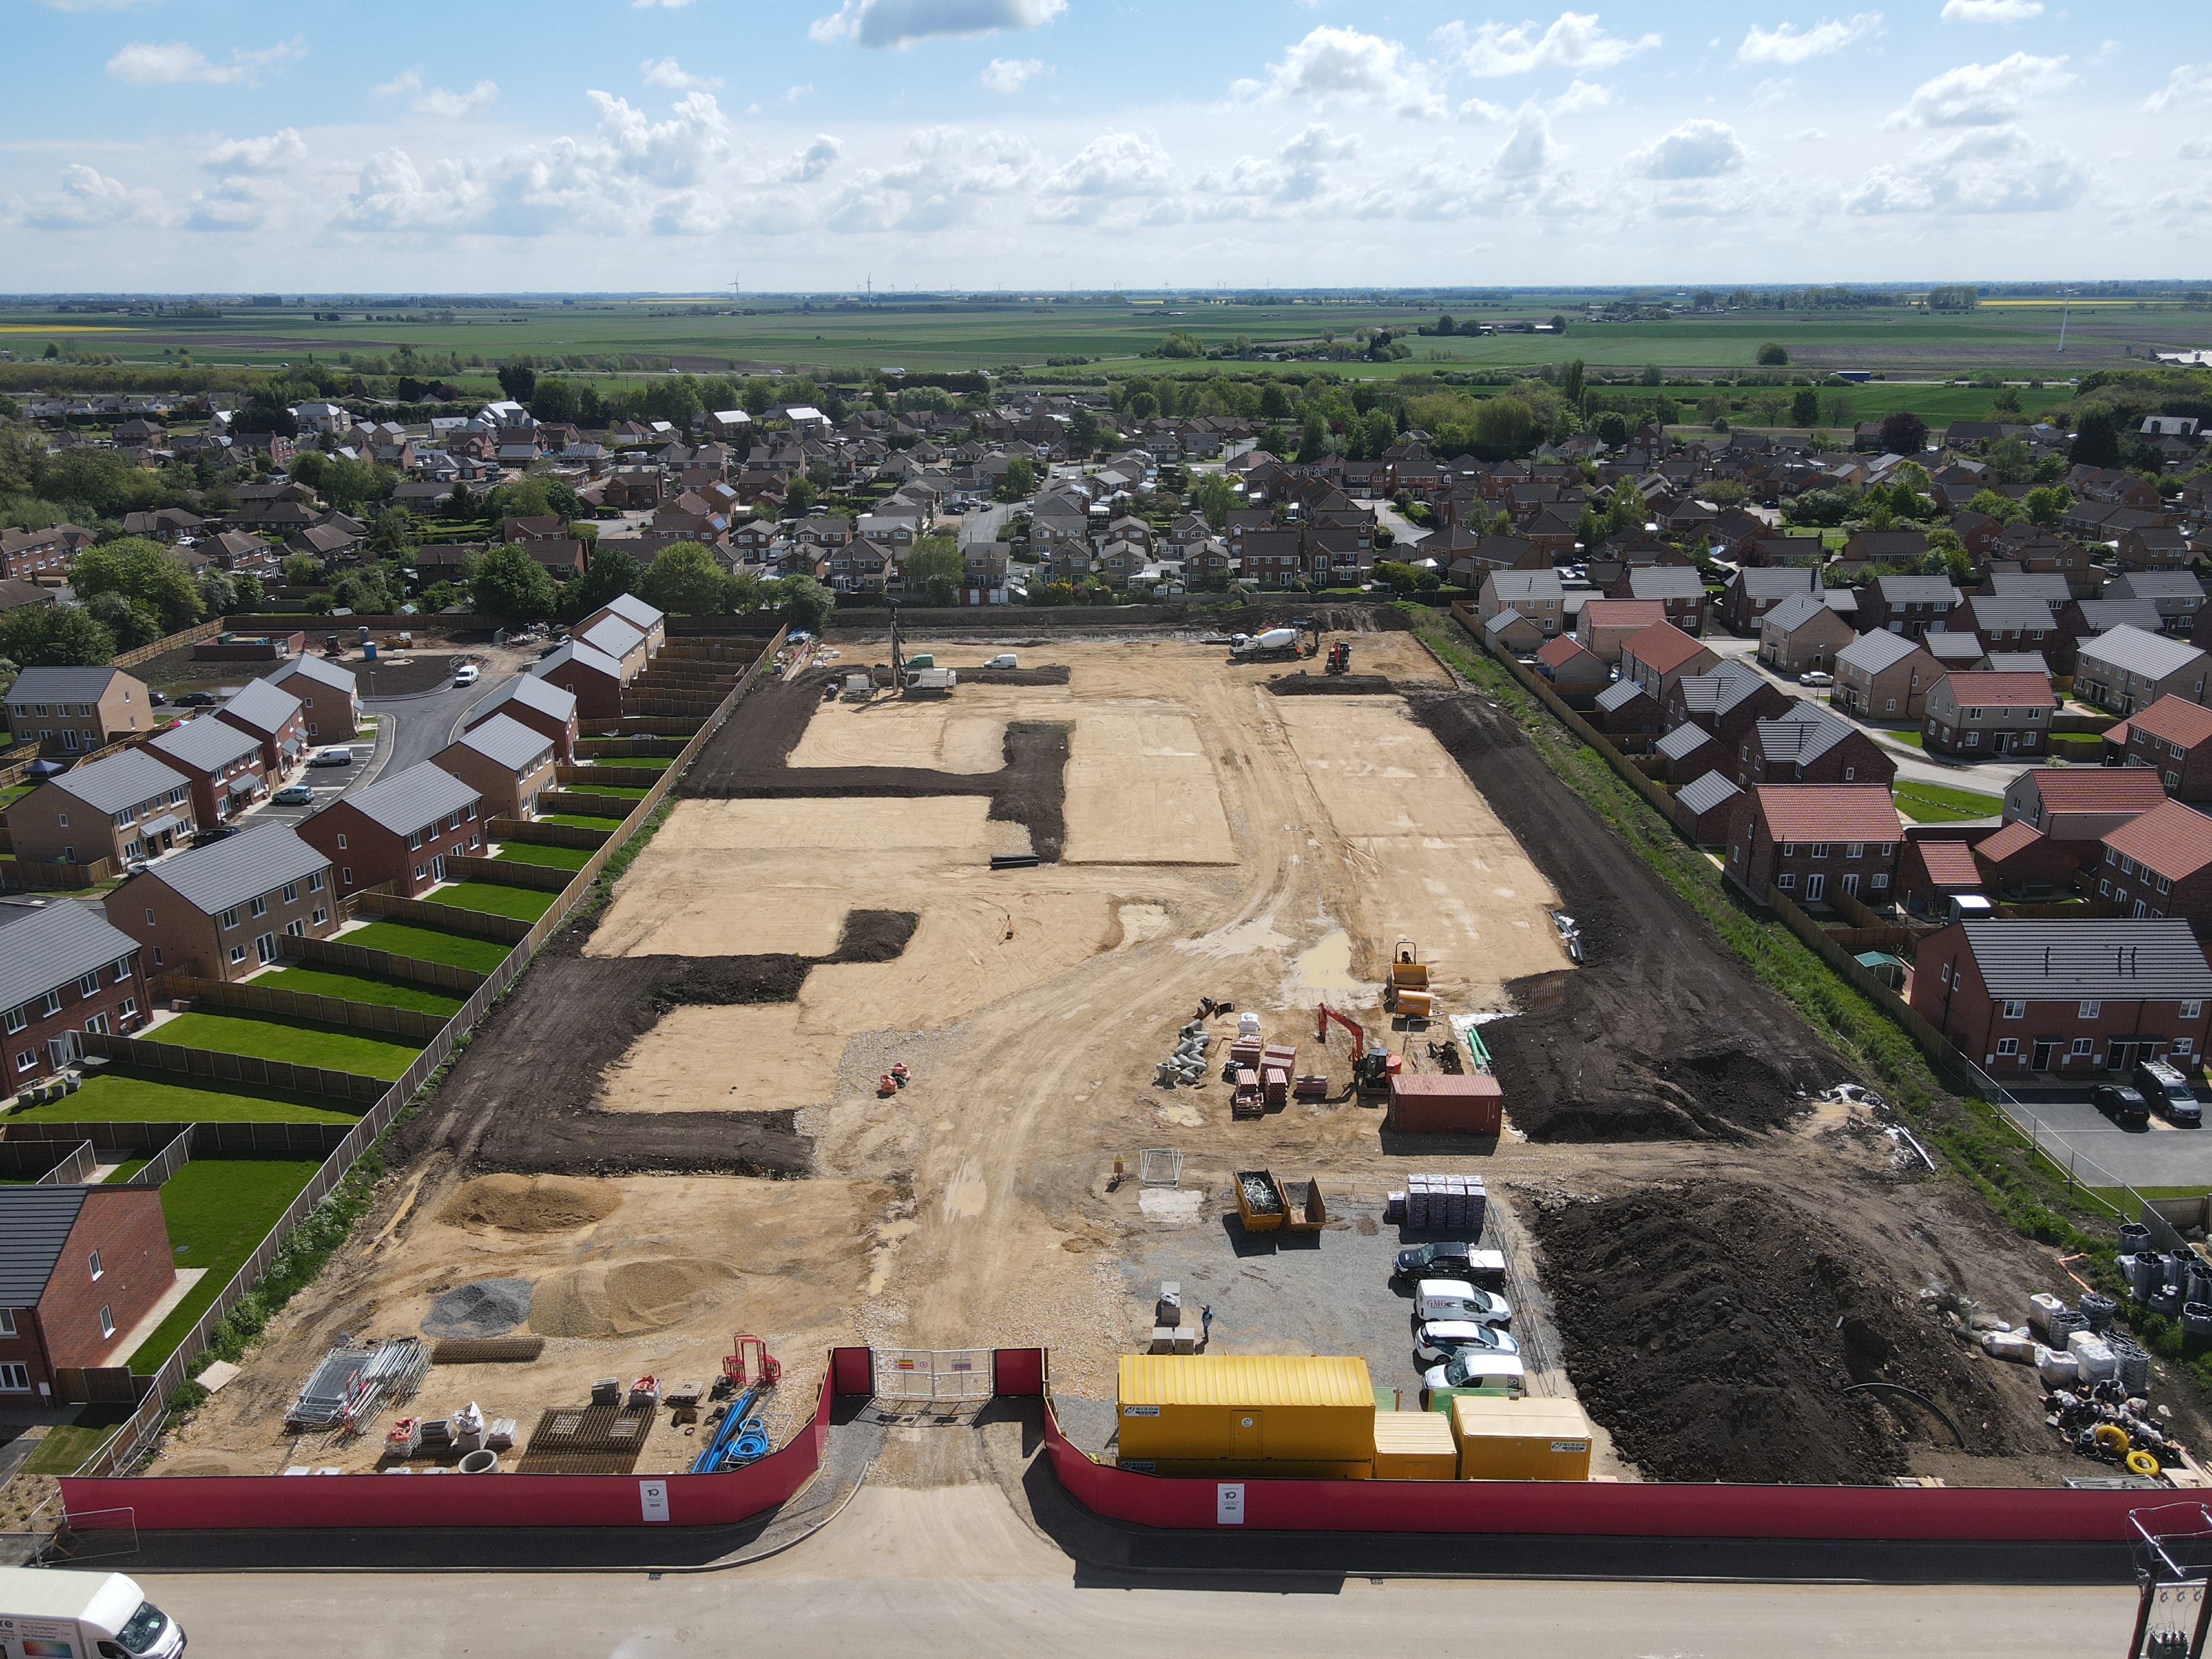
530,1204
490,1307
1714,1331
1303,684
628,1299
875,935
976,674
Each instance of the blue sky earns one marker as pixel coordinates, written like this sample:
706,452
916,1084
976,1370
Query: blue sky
671,144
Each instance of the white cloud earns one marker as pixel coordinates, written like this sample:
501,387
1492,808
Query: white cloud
1772,91
675,152
648,5
1983,94
1696,149
235,203
792,95
1113,164
1343,66
1575,40
1010,75
1786,44
2189,83
1992,170
2196,149
1529,152
89,200
274,154
902,23
1992,11
144,63
673,76
1580,98
437,100
1806,135
810,163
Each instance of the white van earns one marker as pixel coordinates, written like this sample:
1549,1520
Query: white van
1457,1298
1004,660
49,1614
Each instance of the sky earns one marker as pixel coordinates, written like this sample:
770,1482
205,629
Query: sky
782,145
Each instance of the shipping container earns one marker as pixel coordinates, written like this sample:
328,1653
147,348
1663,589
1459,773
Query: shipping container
1246,1412
1434,1103
1414,1446
1532,1438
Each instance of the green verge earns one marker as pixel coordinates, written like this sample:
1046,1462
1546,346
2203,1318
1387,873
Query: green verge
334,1049
532,851
1934,803
409,938
121,1095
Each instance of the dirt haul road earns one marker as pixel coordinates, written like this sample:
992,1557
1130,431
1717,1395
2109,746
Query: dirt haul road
1219,842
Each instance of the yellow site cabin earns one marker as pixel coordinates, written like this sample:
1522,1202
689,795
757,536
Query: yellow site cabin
1531,1438
1247,1415
1414,1446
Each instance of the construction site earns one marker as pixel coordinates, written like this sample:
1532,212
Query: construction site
962,1013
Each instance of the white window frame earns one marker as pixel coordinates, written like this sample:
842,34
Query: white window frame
2008,1046
107,1321
2013,1008
14,1377
2090,1006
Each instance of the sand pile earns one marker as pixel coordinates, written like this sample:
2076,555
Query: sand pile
625,1298
531,1204
488,1307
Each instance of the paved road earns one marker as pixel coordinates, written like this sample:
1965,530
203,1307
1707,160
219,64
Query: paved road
982,524
2160,1156
427,723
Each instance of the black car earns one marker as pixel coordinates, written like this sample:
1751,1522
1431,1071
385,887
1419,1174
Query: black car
2124,1106
1433,1261
198,699
209,836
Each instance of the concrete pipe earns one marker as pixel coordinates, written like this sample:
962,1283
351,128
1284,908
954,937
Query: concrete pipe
482,1461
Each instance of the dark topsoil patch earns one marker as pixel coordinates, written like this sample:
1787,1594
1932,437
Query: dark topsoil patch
1303,684
749,759
1714,1330
521,1098
1013,623
1662,1033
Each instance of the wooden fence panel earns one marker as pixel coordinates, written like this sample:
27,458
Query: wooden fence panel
381,1018
338,954
206,630
450,916
545,877
27,875
532,832
215,1065
587,806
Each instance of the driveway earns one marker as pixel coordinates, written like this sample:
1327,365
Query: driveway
982,524
2160,1156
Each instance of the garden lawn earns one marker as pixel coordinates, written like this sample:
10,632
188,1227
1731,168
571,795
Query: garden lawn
582,820
523,903
636,762
1931,802
599,787
364,987
334,1049
409,938
535,851
64,1450
122,1095
121,1174
1911,738
218,1210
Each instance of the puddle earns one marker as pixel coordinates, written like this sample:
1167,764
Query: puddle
1171,1207
1327,966
967,1195
1247,939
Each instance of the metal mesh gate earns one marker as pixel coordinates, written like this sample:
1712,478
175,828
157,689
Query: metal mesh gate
934,1374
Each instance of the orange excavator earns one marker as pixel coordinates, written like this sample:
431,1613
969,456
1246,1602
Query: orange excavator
1372,1065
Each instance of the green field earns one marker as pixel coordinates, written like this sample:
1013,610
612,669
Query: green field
1931,802
364,987
218,1211
333,1049
121,1096
523,903
553,858
408,938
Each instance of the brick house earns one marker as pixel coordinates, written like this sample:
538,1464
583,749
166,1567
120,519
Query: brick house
64,971
2177,595
2125,669
2078,806
592,678
1882,677
76,709
330,703
1606,625
1989,714
400,830
1808,841
1808,743
1661,654
1571,667
2159,863
2174,737
1906,605
120,807
85,1268
1703,806
218,911
1677,588
2151,547
1688,752
1626,710
222,762
540,706
2002,623
277,718
1931,870
2038,999
508,763
1752,593
2020,861
1725,702
628,608
1510,631
1536,594
1801,633
613,637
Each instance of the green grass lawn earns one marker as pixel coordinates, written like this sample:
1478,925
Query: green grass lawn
408,938
581,820
67,1445
1910,736
122,1171
218,1209
364,987
1931,802
118,1095
332,1048
639,762
599,786
532,851
523,903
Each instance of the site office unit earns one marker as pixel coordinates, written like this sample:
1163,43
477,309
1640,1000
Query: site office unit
87,1264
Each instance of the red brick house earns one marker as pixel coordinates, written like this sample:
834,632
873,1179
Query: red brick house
1931,870
218,911
125,805
1661,654
1703,806
508,763
1975,714
222,762
2043,1000
1606,625
267,711
2160,865
540,706
1571,667
399,830
1808,743
1726,702
592,678
1811,840
2173,738
330,703
64,971
2077,805
2021,862
85,1266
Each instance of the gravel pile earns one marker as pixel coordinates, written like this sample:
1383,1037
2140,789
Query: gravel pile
487,1307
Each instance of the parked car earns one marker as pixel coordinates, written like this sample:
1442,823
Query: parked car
198,699
1457,1299
1440,1338
158,697
215,833
465,674
1813,677
2123,1105
2167,1092
294,794
1004,660
336,755
1471,1367
1484,1268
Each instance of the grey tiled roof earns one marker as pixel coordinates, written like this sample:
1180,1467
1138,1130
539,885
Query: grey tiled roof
225,872
42,948
635,612
412,799
1620,692
1794,612
206,744
575,652
1775,581
110,784
532,692
2135,651
612,636
1682,740
2065,959
34,1225
1805,733
509,742
1705,793
263,705
1871,653
52,685
318,668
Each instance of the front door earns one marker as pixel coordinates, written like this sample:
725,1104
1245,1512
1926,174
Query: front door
1249,1436
2040,1061
2121,1056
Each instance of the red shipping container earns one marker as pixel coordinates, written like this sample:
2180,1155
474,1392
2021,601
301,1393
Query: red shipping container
1425,1102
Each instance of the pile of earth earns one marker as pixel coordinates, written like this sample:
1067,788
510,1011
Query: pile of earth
488,1307
1713,1331
626,1299
1305,684
531,1204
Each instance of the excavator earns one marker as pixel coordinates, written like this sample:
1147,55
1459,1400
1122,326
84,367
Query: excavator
1407,991
1372,1063
1339,657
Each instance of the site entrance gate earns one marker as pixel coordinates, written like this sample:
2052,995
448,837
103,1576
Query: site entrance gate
934,1374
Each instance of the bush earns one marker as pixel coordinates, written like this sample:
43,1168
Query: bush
1773,355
